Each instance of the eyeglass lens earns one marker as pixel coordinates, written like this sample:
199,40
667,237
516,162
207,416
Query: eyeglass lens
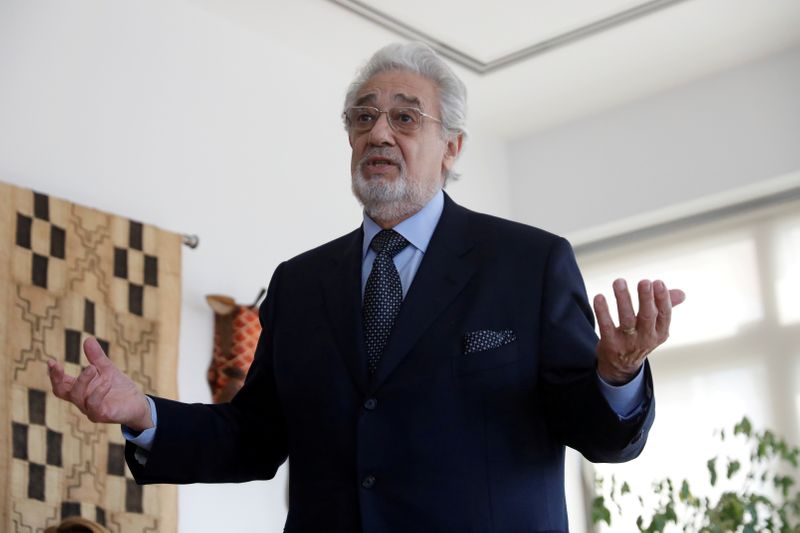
363,119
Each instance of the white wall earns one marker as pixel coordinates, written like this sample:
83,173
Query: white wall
725,131
167,113
171,114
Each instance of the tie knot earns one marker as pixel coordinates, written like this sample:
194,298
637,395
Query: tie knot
389,242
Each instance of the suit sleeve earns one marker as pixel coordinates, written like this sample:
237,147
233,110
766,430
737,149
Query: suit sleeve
576,410
233,442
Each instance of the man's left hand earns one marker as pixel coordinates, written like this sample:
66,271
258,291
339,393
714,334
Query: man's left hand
622,350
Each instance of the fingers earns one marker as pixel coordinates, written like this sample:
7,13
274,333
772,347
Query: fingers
89,391
622,350
664,305
78,392
93,384
646,318
95,406
96,355
627,318
61,382
604,320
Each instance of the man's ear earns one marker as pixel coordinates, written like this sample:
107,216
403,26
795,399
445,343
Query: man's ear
452,149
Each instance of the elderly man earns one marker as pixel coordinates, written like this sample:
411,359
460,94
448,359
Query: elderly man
424,372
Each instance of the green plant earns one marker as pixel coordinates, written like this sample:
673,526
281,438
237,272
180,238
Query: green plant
747,496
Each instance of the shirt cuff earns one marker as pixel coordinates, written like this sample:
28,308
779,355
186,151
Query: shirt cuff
625,399
144,439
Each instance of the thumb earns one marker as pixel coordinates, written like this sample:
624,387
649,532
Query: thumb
677,296
96,356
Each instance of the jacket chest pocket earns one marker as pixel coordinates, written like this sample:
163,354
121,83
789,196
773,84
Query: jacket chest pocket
480,361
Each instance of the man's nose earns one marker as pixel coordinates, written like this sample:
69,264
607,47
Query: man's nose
381,133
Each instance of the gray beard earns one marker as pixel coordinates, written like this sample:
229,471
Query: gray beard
389,201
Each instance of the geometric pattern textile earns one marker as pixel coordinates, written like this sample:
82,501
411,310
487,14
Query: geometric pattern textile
236,332
68,272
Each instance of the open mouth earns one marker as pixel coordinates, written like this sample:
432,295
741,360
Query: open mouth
380,162
380,166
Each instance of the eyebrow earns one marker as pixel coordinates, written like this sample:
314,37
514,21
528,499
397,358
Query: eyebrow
366,99
404,98
408,99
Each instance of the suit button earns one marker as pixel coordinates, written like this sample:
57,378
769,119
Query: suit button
371,404
368,482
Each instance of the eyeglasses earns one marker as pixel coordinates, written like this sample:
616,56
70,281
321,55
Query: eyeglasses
361,119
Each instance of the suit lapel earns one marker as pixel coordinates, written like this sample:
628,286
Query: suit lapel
342,290
443,273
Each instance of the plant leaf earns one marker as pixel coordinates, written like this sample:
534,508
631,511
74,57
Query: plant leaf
784,483
733,467
744,427
600,512
685,493
712,471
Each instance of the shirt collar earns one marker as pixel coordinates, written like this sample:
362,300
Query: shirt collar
416,229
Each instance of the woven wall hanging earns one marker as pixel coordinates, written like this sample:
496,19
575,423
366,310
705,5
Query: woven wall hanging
67,272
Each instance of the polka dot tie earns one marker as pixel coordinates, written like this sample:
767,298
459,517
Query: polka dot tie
383,295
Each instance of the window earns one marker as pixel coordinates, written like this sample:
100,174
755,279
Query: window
735,344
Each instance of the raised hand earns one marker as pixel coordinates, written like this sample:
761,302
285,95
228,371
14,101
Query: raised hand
622,349
101,391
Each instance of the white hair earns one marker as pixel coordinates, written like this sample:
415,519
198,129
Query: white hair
420,58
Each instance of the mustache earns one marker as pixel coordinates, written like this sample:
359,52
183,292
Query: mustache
384,153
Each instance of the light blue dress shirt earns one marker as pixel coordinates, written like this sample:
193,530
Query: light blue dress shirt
418,229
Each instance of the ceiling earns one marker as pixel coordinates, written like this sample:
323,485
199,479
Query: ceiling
485,40
588,56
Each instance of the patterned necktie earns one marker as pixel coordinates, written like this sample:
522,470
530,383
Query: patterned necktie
383,295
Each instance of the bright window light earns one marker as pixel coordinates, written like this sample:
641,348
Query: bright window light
719,277
733,349
787,279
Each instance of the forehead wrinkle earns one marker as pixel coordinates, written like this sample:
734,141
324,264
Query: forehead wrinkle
372,100
366,99
411,100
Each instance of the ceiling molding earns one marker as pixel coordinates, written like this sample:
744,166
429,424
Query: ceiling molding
486,67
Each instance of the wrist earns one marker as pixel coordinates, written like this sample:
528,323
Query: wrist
615,376
144,420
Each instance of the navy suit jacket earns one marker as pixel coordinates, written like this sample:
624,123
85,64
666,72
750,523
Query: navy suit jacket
438,440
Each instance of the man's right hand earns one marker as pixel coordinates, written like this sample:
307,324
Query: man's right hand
101,391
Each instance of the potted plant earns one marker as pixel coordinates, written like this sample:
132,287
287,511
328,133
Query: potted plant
754,492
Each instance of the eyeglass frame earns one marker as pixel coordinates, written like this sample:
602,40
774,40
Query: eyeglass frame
389,120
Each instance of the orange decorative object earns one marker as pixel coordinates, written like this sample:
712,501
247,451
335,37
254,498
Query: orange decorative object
236,332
